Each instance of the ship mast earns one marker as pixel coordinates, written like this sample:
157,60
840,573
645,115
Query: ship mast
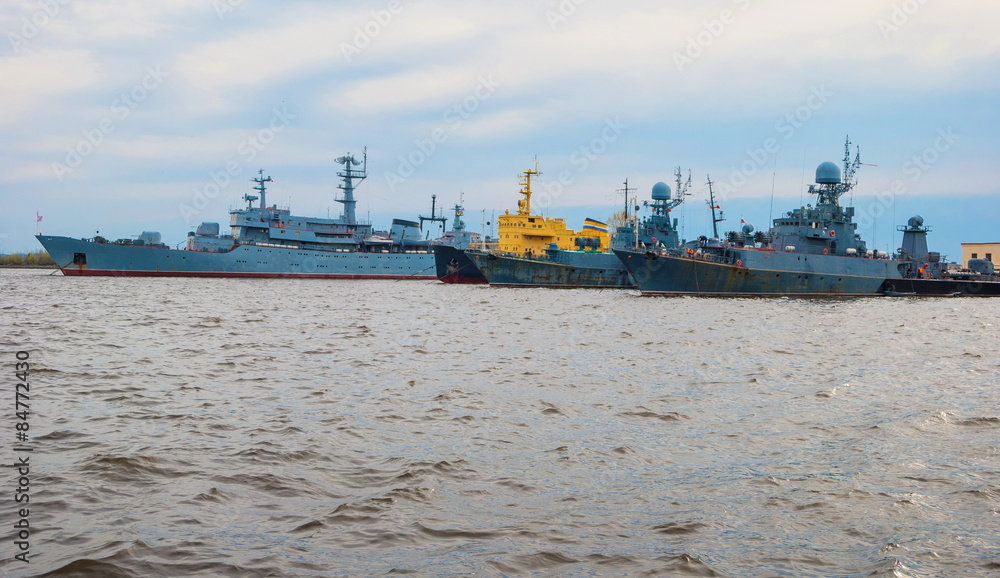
524,205
662,207
626,191
830,193
350,175
433,216
260,180
459,224
711,203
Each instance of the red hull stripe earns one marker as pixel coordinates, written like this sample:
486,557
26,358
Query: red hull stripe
73,272
457,280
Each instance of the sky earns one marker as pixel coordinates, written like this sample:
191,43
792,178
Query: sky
125,116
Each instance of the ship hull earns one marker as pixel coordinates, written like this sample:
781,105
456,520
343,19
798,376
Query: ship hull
566,269
943,287
76,257
452,265
759,273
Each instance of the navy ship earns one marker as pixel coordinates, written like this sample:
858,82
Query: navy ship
451,263
588,263
812,250
935,278
265,241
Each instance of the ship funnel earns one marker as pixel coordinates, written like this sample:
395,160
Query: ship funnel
827,174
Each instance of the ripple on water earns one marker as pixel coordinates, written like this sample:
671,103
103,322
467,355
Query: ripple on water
364,428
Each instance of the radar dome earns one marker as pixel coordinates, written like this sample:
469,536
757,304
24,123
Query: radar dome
916,221
150,237
661,192
827,174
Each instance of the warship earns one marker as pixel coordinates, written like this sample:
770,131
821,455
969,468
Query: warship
265,241
812,250
451,263
589,263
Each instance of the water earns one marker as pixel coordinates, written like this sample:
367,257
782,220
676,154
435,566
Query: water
317,428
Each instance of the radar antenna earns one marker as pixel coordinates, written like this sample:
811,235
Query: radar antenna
663,206
711,203
830,193
434,216
261,187
524,205
350,175
626,191
459,224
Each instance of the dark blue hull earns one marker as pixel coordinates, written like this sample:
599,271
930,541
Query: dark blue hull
452,265
943,287
565,269
753,272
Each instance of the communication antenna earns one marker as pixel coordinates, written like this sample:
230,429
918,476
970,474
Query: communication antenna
434,217
349,175
711,203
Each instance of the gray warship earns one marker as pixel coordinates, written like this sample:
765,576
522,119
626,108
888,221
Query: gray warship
265,241
812,250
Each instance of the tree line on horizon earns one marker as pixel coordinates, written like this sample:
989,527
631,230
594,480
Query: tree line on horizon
33,259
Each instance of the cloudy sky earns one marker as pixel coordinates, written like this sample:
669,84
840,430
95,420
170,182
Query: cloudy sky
124,116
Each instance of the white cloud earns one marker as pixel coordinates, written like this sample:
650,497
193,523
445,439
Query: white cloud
41,80
558,82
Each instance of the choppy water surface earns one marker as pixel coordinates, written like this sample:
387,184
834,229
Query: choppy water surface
283,427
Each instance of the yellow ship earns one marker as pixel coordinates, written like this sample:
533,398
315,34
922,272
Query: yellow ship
525,235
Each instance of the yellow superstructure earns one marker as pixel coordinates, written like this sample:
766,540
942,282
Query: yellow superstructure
524,234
